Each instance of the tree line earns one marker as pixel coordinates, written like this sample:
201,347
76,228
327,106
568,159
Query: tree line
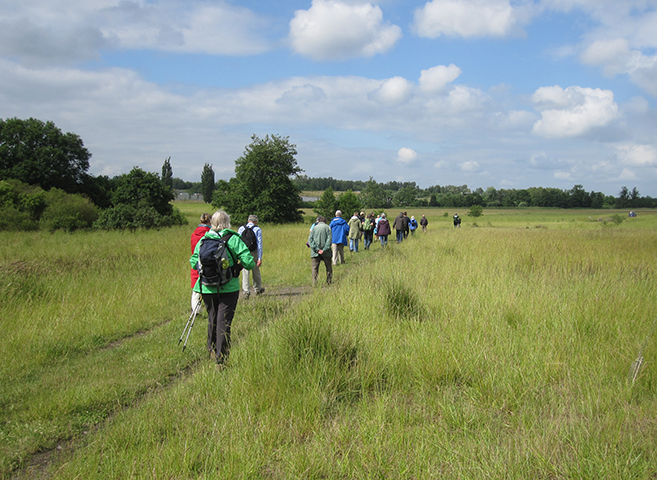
45,183
407,194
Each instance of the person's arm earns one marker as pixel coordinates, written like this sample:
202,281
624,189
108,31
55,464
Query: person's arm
311,242
327,242
193,261
258,233
240,251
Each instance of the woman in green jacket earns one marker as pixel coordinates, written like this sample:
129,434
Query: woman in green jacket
221,302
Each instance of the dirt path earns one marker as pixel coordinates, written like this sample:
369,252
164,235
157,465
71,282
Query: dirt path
36,468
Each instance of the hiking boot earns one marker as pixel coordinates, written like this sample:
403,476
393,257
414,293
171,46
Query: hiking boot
260,291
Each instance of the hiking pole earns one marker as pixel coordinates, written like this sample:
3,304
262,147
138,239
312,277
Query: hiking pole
190,323
636,365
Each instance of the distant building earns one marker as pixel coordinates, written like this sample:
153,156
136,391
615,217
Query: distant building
189,196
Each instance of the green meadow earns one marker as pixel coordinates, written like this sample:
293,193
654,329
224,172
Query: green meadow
502,349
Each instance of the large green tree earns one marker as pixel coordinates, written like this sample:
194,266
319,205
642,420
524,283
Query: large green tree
374,196
207,183
263,184
348,203
38,153
140,200
327,205
167,173
142,189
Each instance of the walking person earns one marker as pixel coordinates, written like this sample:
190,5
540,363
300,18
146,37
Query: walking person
319,241
253,240
221,302
198,233
339,230
355,227
457,221
368,231
423,223
407,222
383,230
400,226
412,225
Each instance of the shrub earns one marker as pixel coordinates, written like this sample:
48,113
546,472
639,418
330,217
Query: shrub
124,216
21,205
67,211
476,211
617,218
13,219
118,217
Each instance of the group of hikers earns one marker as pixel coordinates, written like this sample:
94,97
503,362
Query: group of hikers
220,254
327,242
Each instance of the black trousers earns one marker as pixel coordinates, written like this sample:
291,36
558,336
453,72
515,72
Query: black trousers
221,310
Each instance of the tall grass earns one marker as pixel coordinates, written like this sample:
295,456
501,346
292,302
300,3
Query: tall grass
491,352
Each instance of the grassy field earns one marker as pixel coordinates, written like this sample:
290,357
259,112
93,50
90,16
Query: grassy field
498,350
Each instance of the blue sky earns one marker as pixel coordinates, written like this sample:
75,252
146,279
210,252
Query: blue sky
508,94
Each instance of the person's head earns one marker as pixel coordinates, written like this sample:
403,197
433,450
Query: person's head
362,214
253,219
383,215
422,216
412,217
405,214
205,218
355,214
338,213
321,219
220,220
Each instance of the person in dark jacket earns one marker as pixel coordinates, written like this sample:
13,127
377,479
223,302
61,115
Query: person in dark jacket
201,230
400,226
423,223
383,230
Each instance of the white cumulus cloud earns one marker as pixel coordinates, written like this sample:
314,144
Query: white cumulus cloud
406,155
43,32
637,155
470,166
436,78
573,111
393,91
627,174
336,30
466,18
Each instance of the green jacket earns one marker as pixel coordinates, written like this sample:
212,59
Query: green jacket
239,250
320,239
355,226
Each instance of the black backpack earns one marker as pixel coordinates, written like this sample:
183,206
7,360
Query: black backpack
213,265
250,239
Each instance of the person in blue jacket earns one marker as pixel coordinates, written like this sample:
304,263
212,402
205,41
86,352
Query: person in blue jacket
340,230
